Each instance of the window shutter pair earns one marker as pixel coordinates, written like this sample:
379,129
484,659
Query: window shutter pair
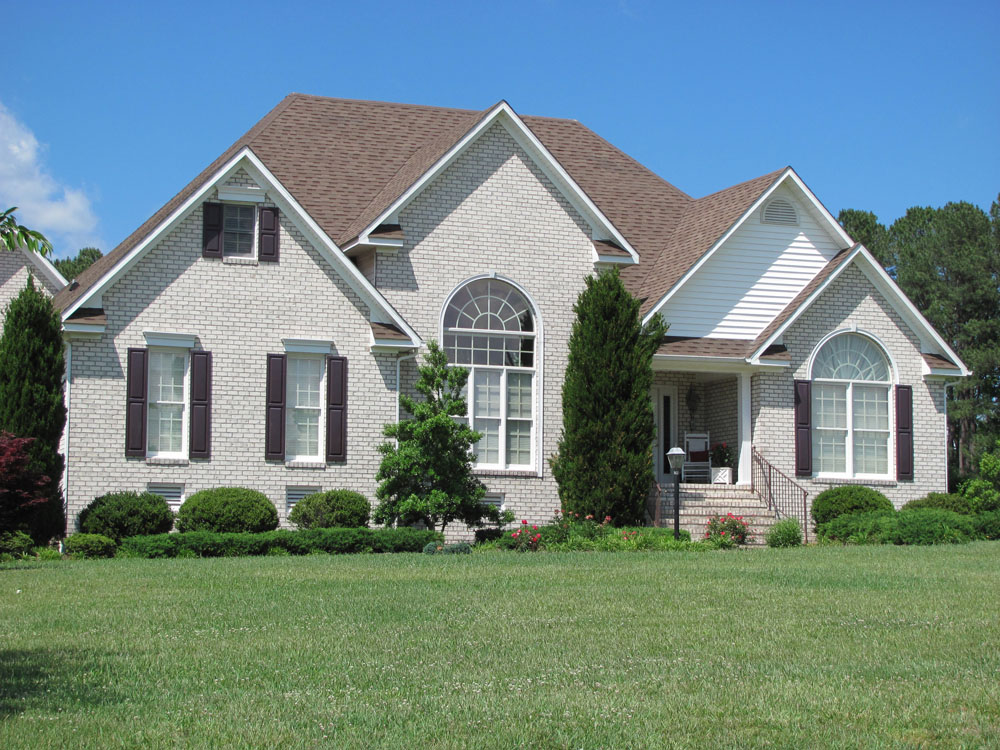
803,430
336,408
137,405
267,235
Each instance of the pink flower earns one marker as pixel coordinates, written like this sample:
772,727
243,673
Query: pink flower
723,533
535,527
524,522
590,518
607,518
514,535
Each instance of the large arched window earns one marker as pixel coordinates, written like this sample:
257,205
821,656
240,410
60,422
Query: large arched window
850,405
489,327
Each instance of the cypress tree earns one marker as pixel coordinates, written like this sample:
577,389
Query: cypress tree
604,465
31,397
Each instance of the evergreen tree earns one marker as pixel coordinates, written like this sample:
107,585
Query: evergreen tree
604,466
71,268
427,475
31,396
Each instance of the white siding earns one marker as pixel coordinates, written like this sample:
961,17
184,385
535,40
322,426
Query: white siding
751,278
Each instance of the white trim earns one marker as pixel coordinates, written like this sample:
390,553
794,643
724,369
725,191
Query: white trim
788,174
545,161
307,345
83,330
744,428
318,459
239,194
893,369
170,340
45,267
181,455
379,306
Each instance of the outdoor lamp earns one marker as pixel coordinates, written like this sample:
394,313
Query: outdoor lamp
676,456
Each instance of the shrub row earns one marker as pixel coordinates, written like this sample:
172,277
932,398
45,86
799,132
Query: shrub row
331,541
919,526
569,532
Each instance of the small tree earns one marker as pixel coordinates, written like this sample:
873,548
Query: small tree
22,489
31,395
604,466
427,475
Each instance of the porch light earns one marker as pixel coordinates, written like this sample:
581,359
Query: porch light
676,456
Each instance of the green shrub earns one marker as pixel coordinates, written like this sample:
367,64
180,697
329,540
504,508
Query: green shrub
942,501
47,553
845,500
727,531
120,514
227,510
332,541
331,510
487,535
431,548
17,544
89,545
983,495
987,525
458,548
873,527
933,526
785,533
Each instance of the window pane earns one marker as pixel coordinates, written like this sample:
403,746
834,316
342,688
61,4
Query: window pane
871,407
166,424
488,447
303,382
487,393
238,226
166,377
851,357
830,406
871,452
302,432
518,441
304,406
519,402
830,451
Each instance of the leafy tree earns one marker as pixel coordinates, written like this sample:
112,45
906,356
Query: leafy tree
427,475
31,395
864,227
71,268
604,466
14,235
22,489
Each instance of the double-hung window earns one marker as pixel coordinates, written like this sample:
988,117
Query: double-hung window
238,224
850,407
489,328
304,409
165,435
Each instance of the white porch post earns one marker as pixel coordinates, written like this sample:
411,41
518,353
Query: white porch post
743,407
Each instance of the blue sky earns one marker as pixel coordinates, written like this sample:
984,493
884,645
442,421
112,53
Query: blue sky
107,110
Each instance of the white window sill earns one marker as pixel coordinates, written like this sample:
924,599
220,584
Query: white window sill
498,472
305,463
167,461
876,481
235,260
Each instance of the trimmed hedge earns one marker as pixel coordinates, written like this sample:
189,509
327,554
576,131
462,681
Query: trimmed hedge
874,527
117,515
942,501
89,545
231,510
845,500
331,541
336,509
933,526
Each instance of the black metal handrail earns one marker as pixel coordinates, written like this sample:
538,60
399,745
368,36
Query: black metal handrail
779,492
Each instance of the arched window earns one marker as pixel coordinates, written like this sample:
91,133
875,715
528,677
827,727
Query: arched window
850,406
489,327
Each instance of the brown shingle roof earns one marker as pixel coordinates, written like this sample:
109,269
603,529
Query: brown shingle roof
940,363
387,331
89,316
687,346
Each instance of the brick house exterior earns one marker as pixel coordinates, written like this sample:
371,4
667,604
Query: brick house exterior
196,361
15,267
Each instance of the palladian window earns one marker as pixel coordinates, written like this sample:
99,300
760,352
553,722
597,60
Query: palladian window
489,328
850,406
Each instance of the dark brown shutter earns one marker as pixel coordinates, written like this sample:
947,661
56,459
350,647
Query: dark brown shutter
904,432
211,246
268,250
135,404
274,427
803,428
336,408
201,405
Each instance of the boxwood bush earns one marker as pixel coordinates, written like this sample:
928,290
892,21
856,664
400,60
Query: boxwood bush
785,533
850,498
89,545
228,510
336,509
331,541
15,544
874,527
987,525
942,501
934,526
120,514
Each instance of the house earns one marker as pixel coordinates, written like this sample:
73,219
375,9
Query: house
258,328
15,267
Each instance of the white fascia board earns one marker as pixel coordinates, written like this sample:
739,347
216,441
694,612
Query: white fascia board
692,363
170,339
305,223
45,267
611,260
239,193
544,160
83,330
788,174
304,345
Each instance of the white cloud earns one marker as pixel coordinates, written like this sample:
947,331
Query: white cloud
61,213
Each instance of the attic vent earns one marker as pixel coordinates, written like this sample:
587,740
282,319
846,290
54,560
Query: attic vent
780,211
172,493
294,494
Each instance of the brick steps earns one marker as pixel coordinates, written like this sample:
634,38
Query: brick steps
700,502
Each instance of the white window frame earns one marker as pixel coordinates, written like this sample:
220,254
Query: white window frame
849,472
185,402
321,422
252,255
470,415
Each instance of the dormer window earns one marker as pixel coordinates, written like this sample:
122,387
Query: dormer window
238,230
779,211
241,231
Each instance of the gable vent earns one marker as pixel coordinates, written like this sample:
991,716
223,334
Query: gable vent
294,494
780,211
172,493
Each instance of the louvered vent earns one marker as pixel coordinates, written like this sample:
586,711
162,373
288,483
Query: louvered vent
294,494
172,493
494,499
780,211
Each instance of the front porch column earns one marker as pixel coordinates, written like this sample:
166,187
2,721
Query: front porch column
743,409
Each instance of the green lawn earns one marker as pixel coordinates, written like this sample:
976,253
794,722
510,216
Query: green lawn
822,647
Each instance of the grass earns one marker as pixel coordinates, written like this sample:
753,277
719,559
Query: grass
819,647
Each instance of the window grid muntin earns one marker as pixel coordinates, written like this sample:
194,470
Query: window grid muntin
496,440
238,225
304,408
166,401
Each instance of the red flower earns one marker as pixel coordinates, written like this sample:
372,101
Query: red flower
607,518
535,528
723,533
514,535
590,518
523,521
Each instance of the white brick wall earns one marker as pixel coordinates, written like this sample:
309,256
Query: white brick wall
14,271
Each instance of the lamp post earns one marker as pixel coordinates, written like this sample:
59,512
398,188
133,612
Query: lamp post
676,456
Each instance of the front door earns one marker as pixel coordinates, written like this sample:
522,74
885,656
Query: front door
665,409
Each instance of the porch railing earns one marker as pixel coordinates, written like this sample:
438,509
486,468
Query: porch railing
781,494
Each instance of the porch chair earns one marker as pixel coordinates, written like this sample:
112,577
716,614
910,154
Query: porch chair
698,463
